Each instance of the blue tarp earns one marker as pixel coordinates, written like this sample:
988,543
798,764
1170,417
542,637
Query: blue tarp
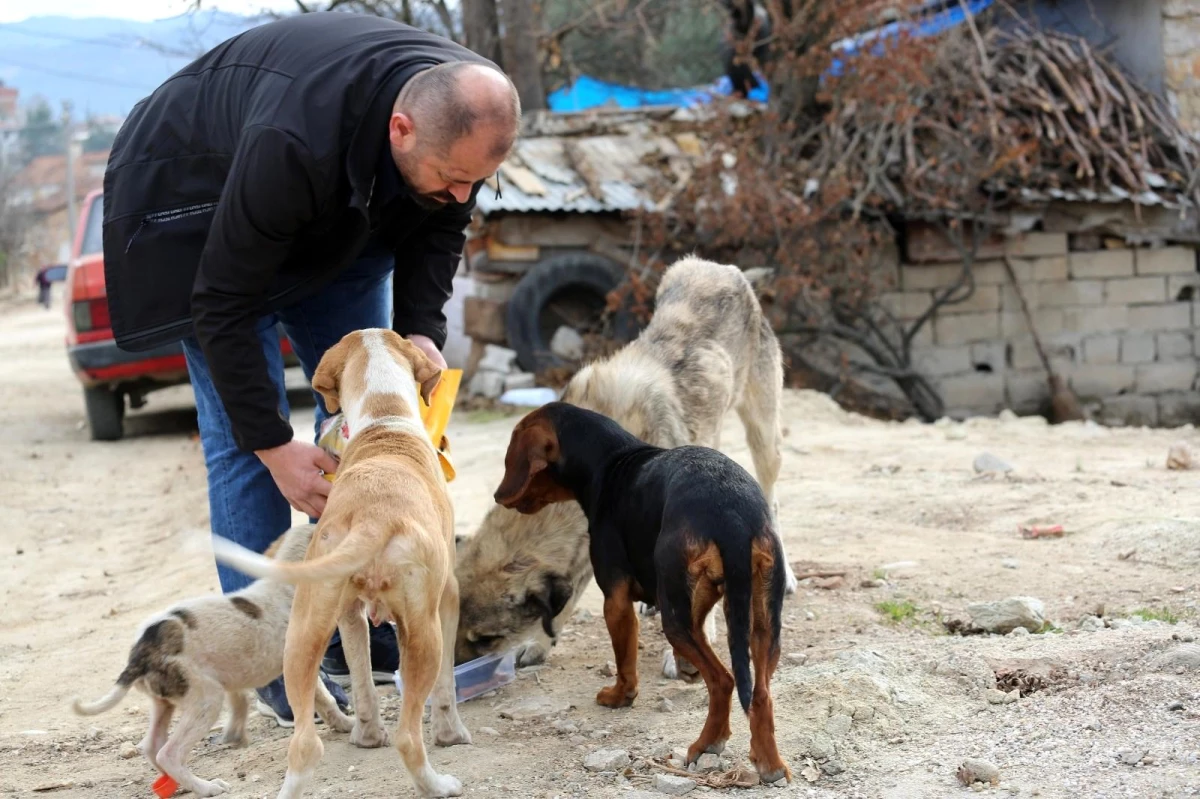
588,92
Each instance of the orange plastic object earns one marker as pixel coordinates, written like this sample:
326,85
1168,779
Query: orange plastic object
435,415
165,786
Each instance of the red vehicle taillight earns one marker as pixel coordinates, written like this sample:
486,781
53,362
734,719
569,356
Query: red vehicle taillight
90,315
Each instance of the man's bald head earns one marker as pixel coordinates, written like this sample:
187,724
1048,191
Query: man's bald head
450,102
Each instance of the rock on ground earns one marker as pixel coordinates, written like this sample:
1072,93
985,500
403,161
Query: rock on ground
972,771
987,463
1184,656
534,707
672,785
838,725
606,760
1008,614
1179,456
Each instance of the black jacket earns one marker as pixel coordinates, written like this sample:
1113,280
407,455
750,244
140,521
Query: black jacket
241,186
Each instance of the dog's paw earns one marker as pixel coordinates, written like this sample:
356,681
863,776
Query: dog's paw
616,696
447,733
369,736
791,583
769,774
442,785
211,788
339,721
532,653
674,668
670,669
701,748
647,610
234,738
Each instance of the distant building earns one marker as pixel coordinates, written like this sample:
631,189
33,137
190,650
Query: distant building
42,185
11,121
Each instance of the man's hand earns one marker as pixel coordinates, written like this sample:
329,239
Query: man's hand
296,468
427,346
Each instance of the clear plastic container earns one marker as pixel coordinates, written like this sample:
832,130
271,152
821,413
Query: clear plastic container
477,676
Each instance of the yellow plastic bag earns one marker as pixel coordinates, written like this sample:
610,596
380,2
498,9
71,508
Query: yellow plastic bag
335,432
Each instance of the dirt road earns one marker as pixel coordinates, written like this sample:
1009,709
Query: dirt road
873,698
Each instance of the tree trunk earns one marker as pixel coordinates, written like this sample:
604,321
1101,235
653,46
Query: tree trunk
519,46
481,29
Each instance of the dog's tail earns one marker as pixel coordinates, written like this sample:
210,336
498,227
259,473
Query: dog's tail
754,589
106,702
739,591
152,651
355,552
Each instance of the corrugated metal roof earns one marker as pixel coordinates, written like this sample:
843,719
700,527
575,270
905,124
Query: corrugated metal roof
1114,195
622,171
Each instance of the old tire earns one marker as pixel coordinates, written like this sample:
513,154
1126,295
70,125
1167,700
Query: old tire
105,413
571,289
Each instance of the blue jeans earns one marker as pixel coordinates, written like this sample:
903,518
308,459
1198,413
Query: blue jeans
243,501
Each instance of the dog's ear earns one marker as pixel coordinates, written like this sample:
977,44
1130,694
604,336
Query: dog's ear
327,378
425,372
532,448
549,597
520,563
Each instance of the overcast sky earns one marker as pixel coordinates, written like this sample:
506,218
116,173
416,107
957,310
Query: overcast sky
142,10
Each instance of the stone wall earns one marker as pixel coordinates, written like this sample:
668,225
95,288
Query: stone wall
1181,54
1118,322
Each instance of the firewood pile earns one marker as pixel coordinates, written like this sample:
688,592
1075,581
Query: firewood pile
1007,108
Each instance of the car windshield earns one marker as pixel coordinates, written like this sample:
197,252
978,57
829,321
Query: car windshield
92,243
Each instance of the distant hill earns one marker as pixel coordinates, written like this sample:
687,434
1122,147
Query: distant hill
104,65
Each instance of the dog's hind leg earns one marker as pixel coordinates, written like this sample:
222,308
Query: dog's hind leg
759,410
198,712
313,619
368,732
156,735
684,613
421,659
329,711
448,728
764,654
235,727
677,668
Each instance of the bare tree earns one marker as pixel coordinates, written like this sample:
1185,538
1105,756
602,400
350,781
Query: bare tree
14,222
481,28
521,53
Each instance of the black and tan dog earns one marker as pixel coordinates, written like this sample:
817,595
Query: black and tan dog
682,528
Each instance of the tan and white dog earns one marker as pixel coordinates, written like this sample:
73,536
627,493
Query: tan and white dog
384,546
195,653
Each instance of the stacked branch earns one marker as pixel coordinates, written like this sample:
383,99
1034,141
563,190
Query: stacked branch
1008,110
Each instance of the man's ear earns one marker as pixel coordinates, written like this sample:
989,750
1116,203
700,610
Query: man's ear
550,597
327,377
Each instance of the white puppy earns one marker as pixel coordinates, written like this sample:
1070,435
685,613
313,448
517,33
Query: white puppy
196,652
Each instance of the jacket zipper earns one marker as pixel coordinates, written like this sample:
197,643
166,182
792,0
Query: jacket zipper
169,216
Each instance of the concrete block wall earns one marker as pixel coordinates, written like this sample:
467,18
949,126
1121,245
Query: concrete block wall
1119,323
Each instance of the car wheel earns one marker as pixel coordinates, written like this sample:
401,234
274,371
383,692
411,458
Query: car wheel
567,289
105,412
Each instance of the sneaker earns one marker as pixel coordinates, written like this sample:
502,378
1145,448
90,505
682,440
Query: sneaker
385,657
272,701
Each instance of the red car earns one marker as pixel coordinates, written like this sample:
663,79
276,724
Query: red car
109,374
